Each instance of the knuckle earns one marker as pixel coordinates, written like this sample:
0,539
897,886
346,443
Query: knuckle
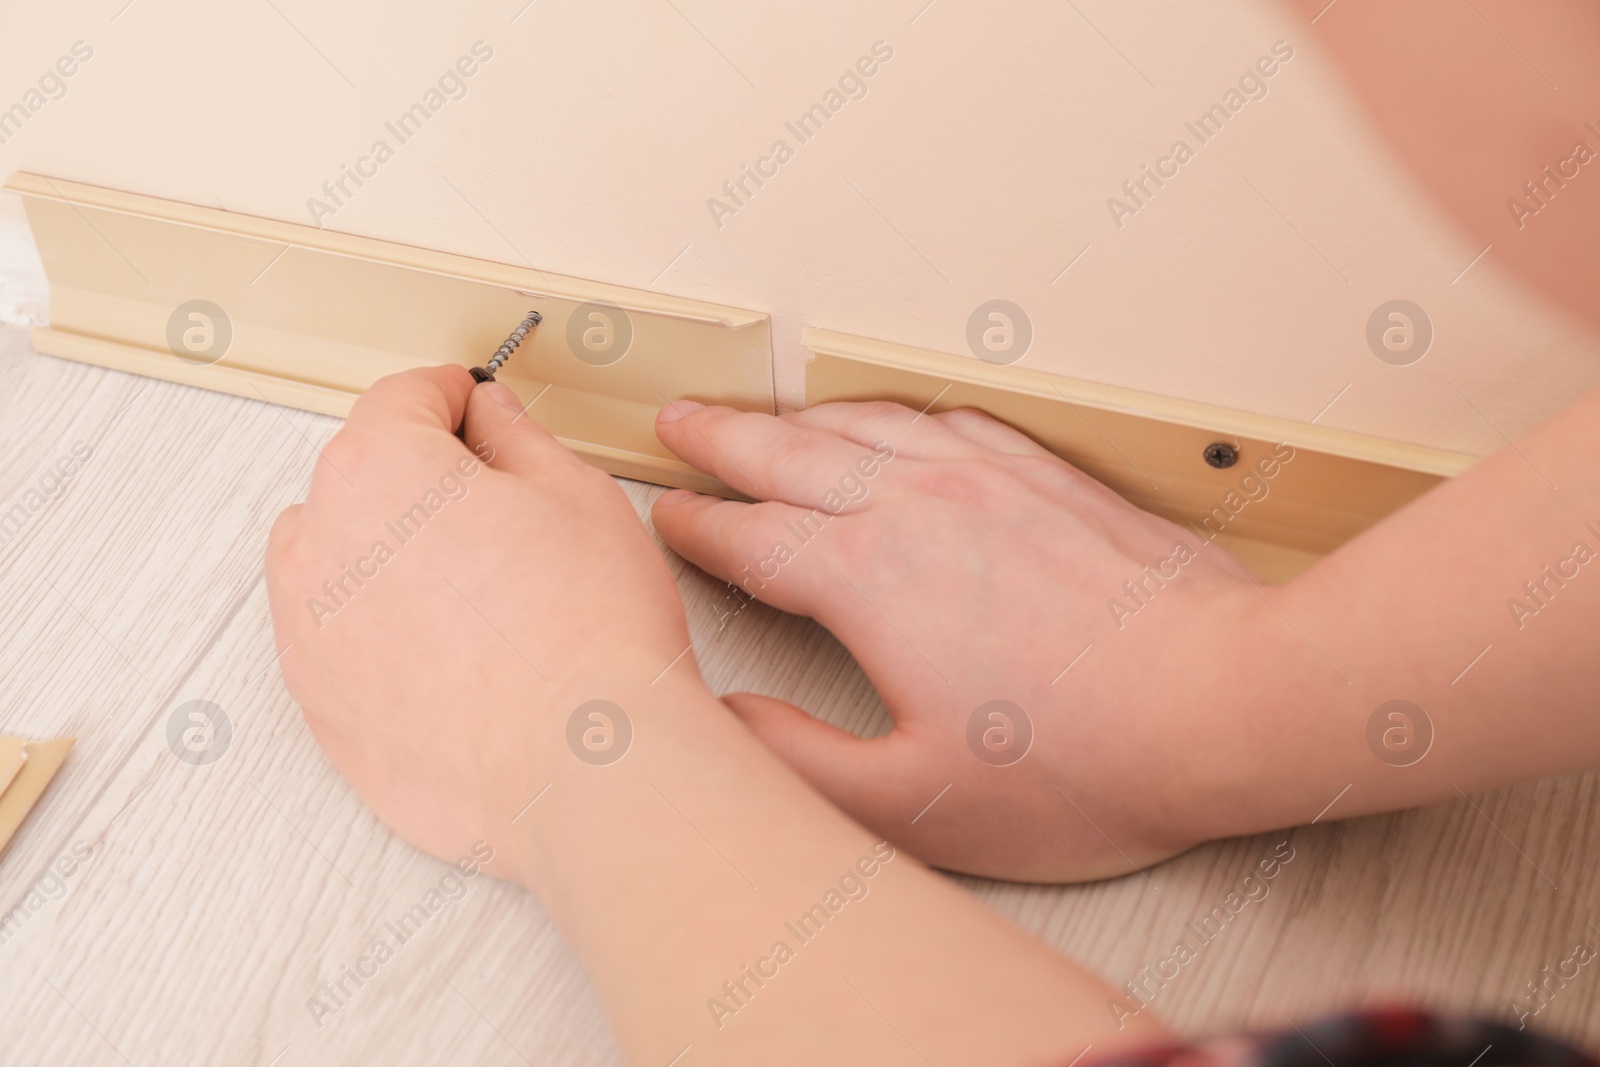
282,542
970,481
968,417
887,411
290,562
1057,476
787,453
349,453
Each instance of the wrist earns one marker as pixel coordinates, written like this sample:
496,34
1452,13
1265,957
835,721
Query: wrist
598,748
1256,735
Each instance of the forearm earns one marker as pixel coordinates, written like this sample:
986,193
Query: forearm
687,866
1480,603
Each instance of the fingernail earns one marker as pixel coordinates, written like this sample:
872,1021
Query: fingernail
502,395
678,409
675,496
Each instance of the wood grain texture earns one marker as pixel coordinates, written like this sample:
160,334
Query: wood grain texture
217,897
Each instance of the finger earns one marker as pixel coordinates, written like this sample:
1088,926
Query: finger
425,396
864,778
763,456
740,543
499,433
423,404
907,431
989,432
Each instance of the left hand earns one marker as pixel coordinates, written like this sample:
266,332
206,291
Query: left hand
962,563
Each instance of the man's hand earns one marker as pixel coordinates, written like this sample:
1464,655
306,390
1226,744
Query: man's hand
1040,732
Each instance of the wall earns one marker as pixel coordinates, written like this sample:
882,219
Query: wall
977,165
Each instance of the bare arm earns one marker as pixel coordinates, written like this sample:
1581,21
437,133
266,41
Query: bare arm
695,876
1480,604
685,864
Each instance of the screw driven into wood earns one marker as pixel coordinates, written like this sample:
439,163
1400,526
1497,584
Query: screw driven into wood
509,345
1221,455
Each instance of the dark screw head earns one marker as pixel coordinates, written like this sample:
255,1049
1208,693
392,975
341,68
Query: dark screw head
1221,455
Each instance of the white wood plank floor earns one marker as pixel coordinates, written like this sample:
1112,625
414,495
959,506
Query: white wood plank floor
218,897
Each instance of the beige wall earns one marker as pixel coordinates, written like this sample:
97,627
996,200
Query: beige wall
977,165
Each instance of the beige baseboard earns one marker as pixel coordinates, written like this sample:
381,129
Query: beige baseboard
1151,448
316,316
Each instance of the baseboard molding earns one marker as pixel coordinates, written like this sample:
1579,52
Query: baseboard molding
316,316
1150,448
